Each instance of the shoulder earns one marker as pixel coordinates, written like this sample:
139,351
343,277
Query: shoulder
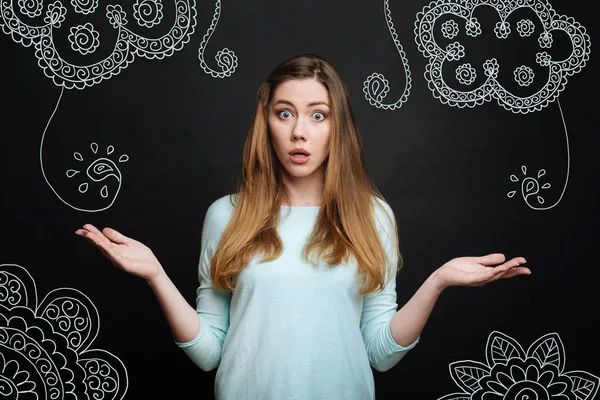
383,214
219,213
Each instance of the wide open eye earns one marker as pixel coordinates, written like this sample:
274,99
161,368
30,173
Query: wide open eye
285,114
318,116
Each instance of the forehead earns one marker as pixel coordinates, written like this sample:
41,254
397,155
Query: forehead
301,91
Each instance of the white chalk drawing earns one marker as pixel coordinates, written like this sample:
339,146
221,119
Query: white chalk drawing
512,373
490,89
96,175
45,347
226,59
462,10
85,39
376,87
531,189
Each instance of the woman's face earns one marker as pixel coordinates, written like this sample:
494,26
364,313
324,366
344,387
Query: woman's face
299,126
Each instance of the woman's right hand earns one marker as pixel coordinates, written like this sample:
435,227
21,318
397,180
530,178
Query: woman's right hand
125,253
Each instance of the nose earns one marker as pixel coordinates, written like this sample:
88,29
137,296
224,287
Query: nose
299,131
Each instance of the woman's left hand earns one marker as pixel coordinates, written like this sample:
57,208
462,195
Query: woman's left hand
478,271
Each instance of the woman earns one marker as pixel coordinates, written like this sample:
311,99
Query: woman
297,295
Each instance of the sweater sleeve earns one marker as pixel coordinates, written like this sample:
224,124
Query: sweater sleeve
379,307
212,304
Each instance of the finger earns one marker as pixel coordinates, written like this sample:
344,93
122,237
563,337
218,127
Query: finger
512,263
115,236
517,271
91,228
491,259
102,243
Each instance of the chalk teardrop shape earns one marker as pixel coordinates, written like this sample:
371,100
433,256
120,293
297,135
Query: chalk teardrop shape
94,147
71,173
124,158
530,186
83,187
511,194
104,191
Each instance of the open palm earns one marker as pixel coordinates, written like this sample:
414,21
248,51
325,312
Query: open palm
478,271
125,253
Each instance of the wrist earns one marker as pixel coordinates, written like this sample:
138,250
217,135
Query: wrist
436,284
155,279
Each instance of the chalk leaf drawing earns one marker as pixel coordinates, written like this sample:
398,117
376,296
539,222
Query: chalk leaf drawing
376,87
512,373
45,347
462,14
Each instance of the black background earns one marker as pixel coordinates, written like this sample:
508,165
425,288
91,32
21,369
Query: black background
445,171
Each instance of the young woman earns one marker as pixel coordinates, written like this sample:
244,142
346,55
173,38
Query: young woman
297,294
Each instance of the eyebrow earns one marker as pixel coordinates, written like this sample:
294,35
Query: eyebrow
311,104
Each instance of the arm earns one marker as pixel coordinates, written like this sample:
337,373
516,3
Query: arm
199,332
181,317
408,323
134,257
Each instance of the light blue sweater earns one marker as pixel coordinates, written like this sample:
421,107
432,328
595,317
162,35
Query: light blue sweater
291,330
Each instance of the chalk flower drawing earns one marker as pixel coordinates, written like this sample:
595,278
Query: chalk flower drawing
530,187
376,87
45,347
148,12
466,74
462,11
84,38
512,373
524,75
100,170
525,27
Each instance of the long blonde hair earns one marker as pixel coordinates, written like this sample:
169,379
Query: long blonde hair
344,227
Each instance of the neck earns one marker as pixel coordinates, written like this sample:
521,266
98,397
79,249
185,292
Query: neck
306,191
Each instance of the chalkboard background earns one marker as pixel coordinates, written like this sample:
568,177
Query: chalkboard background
166,133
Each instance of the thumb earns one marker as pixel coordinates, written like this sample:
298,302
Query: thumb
115,236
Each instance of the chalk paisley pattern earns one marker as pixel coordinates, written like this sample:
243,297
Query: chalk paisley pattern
226,59
512,373
376,87
45,348
85,39
462,16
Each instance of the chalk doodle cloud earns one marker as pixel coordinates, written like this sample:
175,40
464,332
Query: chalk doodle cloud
45,347
510,372
558,70
39,24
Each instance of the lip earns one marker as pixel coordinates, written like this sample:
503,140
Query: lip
299,150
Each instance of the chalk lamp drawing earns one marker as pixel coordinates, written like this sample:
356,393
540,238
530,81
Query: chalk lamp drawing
45,348
460,15
84,39
512,373
376,87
